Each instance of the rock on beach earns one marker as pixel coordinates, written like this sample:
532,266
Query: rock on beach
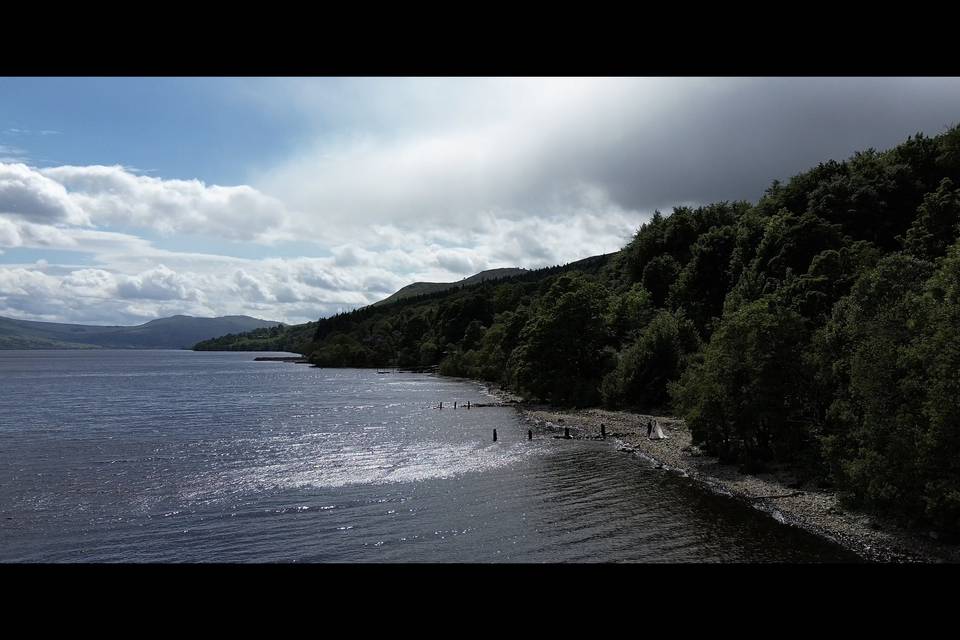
811,508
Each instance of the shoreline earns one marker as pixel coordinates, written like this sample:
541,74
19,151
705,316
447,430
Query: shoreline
776,493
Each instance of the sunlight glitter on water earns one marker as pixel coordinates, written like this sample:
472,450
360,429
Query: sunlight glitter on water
197,457
318,466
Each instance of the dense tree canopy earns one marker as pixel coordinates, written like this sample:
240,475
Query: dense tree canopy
818,328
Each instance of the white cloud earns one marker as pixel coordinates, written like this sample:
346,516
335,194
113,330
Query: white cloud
9,234
397,180
460,260
387,234
90,283
161,283
514,147
115,196
27,283
250,287
437,152
29,195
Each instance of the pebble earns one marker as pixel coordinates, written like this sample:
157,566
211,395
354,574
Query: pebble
814,511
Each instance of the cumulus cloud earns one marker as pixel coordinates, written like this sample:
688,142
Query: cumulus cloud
460,260
399,180
29,195
250,287
131,280
9,234
115,196
90,283
100,196
161,283
26,282
273,289
70,208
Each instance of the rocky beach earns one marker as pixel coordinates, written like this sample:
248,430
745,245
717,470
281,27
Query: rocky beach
814,509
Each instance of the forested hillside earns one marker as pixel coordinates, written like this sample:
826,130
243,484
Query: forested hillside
817,328
292,338
420,288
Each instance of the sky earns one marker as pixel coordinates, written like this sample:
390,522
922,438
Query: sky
127,199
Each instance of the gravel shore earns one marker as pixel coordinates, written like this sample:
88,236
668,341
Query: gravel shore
810,508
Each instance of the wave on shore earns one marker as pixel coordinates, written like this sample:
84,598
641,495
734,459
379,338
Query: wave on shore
813,509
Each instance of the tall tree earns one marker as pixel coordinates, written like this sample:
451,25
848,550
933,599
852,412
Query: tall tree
561,354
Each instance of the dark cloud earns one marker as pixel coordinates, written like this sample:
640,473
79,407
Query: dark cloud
563,147
728,139
403,180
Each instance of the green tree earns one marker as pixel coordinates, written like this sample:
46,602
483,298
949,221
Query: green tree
655,359
940,354
628,314
472,335
658,276
874,425
742,400
936,226
428,354
702,285
560,357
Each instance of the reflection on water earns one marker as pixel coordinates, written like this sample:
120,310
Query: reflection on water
171,456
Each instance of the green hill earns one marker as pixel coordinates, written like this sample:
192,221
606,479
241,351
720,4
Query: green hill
814,330
421,288
300,338
176,332
296,338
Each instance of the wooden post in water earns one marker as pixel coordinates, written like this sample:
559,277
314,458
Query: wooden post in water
603,431
494,435
441,404
566,432
529,434
454,404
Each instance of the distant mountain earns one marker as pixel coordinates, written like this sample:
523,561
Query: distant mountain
176,332
420,288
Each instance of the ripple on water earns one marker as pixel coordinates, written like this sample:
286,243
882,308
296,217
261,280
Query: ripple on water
309,466
173,457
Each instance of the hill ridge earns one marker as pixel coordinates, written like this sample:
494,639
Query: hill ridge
419,288
173,332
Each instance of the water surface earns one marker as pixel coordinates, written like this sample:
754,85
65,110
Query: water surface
176,456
